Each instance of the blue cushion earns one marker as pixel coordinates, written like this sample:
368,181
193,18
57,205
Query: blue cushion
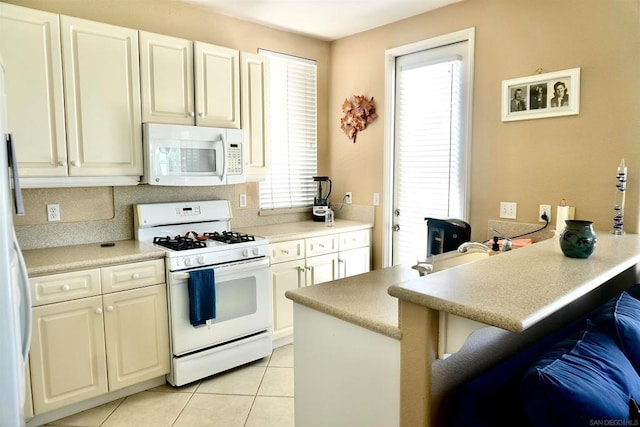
582,380
620,318
492,398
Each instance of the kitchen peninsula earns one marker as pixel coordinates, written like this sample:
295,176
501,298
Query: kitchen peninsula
514,299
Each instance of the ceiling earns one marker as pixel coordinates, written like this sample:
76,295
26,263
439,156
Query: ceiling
323,19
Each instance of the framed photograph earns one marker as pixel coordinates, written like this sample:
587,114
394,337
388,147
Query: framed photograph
541,95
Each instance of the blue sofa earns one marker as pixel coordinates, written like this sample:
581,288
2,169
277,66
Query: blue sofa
584,374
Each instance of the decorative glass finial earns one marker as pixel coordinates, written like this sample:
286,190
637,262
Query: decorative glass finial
618,206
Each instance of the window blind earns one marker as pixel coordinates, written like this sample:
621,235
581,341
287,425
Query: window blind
293,132
428,149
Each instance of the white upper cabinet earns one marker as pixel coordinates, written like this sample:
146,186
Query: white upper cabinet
255,97
169,66
102,88
166,72
32,59
73,99
217,72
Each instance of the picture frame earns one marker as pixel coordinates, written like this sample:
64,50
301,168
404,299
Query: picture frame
541,95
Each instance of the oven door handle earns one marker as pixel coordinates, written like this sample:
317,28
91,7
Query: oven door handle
230,268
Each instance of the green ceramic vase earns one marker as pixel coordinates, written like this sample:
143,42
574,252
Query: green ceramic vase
578,240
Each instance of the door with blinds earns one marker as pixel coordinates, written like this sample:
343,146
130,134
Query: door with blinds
431,149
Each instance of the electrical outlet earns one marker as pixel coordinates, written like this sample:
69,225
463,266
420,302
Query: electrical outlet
508,210
53,212
243,200
544,209
347,198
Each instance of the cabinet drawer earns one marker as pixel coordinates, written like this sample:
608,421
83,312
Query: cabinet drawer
354,239
321,245
64,286
287,251
131,276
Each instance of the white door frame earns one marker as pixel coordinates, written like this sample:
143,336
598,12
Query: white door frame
389,114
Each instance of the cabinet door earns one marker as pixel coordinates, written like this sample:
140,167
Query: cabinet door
285,276
102,94
67,358
355,261
217,86
166,74
255,122
137,335
30,48
322,269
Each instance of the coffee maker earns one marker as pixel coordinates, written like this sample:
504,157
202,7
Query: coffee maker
321,199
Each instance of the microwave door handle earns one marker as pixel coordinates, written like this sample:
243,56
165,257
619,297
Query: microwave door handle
224,158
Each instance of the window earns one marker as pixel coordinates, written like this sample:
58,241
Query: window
292,132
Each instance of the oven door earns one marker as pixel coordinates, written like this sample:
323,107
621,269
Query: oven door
243,305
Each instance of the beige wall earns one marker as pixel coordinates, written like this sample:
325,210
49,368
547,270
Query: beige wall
530,162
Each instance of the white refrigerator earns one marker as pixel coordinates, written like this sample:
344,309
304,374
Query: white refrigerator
15,301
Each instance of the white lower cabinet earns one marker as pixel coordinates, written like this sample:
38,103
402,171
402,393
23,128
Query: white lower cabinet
354,261
285,276
311,261
68,357
137,342
90,346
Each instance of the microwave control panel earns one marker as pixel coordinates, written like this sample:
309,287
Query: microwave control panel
234,158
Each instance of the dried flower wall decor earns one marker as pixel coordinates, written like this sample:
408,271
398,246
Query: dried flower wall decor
357,115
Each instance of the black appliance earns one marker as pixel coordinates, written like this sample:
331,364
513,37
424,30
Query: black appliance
321,199
445,235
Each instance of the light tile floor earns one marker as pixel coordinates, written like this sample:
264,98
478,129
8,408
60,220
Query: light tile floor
259,394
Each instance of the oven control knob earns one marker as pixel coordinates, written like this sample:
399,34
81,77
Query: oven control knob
188,262
245,252
256,251
201,259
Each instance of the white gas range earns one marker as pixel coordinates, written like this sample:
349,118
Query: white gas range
197,240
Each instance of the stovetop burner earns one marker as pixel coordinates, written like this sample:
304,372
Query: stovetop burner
193,240
230,237
179,243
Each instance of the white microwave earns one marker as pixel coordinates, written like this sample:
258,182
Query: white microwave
178,155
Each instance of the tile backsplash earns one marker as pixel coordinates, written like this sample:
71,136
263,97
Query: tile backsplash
101,214
510,229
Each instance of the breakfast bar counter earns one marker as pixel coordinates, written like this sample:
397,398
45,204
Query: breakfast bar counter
517,289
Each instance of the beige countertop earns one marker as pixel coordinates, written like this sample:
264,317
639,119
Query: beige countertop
78,257
362,300
517,289
513,290
302,230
